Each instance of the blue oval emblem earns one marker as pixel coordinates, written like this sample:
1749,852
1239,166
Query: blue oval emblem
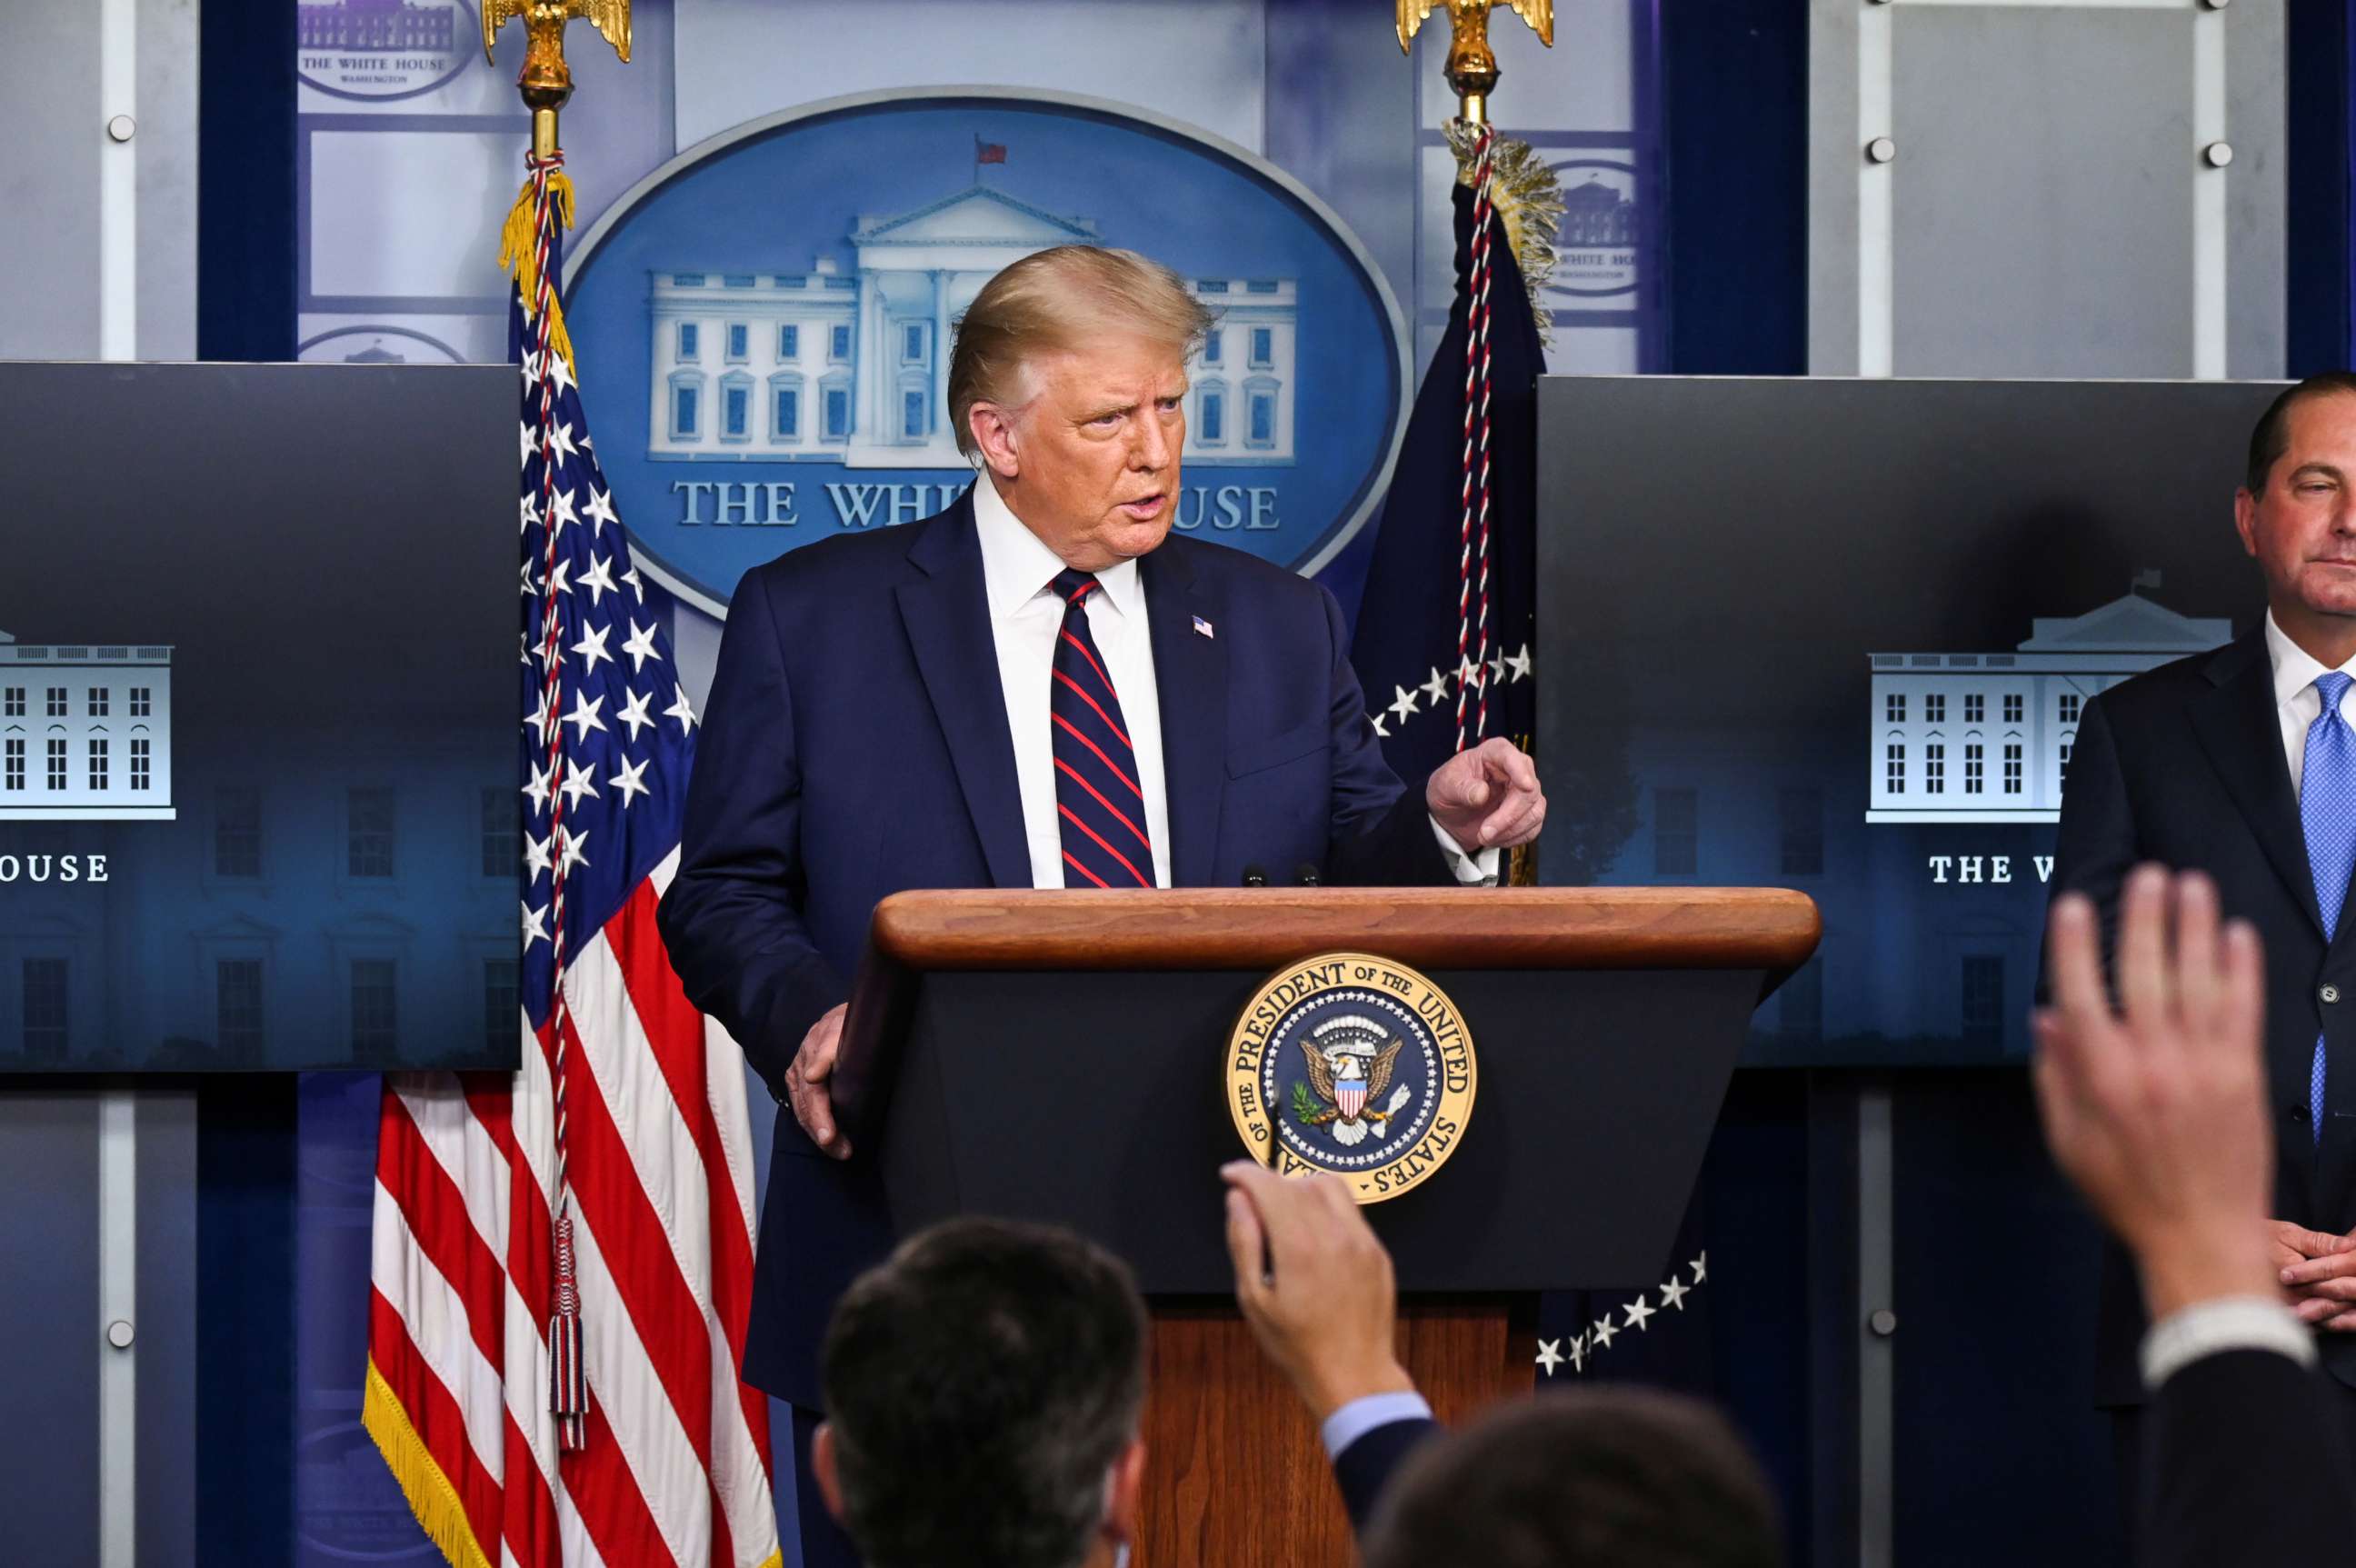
762,324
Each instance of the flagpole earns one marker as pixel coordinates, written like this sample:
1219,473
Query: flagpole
529,244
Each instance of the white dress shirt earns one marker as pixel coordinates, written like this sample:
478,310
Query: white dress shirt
1026,614
2223,1323
2297,705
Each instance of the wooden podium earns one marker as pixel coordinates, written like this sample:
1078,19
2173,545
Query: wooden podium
1058,1057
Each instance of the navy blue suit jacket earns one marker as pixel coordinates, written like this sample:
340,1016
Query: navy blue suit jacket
855,744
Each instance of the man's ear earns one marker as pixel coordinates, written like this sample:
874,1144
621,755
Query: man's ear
823,1471
2245,520
1125,1496
991,426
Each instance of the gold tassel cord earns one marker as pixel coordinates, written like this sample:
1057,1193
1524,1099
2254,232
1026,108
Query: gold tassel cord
1527,194
519,254
431,1496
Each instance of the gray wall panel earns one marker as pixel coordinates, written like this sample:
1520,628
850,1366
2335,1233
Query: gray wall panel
48,1325
49,182
2043,197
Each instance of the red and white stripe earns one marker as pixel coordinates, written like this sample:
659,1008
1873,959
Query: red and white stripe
676,1466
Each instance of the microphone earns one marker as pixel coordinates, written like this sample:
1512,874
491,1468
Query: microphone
1255,876
1304,876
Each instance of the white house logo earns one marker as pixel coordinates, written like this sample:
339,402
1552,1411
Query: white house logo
85,732
1598,245
383,49
774,309
1986,737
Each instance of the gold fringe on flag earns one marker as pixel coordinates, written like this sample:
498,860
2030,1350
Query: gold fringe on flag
1528,199
431,1496
519,254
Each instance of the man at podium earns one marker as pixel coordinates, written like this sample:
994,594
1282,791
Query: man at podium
1036,687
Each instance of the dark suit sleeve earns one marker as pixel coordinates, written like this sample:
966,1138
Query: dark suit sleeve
2247,1463
731,919
2096,846
1381,834
1363,1470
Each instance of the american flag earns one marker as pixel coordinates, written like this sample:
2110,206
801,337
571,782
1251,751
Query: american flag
626,1126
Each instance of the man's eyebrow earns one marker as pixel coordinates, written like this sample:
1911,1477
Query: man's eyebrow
1095,413
2324,469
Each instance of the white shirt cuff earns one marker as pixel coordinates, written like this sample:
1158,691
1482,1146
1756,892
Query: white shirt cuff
1472,870
1360,1416
2227,1323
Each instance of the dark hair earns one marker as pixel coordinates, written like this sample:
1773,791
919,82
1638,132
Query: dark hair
1589,1478
2271,439
980,1383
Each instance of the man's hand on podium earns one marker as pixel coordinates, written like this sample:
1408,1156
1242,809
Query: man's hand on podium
1487,797
1315,1285
806,1083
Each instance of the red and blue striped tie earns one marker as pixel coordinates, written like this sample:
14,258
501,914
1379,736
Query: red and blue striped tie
1101,808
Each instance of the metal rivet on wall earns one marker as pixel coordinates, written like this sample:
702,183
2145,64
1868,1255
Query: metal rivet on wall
1880,150
118,1334
1884,1322
2217,155
121,127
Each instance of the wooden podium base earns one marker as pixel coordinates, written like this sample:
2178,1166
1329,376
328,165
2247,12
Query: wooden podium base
1234,1472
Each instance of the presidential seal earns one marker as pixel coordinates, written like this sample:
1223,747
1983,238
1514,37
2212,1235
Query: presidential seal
1355,1065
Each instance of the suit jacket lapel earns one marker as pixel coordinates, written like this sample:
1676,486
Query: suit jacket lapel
946,614
1189,670
2236,723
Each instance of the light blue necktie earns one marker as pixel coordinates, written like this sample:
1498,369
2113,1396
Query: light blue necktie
2326,814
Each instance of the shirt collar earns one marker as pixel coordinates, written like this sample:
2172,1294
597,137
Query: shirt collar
2294,668
1016,567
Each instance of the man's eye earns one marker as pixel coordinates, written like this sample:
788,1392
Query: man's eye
1106,421
1170,404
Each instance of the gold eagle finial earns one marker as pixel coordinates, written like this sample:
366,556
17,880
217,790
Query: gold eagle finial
546,81
1471,65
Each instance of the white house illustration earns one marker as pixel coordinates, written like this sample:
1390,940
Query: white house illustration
1985,738
85,733
851,368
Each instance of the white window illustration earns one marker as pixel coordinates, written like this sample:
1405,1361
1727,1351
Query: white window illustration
740,342
687,341
838,347
912,343
686,403
56,702
11,702
2040,690
735,407
786,408
1263,348
836,391
143,703
790,343
56,763
98,702
97,768
1934,769
1211,413
1260,403
1211,347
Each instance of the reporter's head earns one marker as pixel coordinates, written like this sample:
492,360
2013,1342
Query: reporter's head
1589,1478
983,1389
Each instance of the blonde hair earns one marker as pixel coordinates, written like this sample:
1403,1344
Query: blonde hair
1056,301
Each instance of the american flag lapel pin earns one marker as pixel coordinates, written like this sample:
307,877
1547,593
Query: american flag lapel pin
1202,628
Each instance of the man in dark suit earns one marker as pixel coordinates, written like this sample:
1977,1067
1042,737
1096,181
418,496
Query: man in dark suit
1037,687
2238,763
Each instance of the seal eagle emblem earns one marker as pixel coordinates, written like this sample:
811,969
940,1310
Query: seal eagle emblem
1355,1065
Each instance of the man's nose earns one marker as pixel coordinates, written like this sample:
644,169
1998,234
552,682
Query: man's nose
1150,452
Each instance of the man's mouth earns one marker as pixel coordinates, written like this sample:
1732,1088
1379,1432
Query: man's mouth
1145,509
